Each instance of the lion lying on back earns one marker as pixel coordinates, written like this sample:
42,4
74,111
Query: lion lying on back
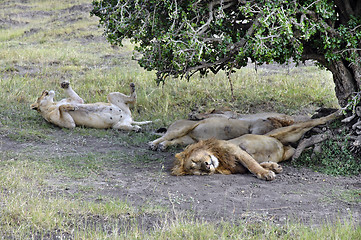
73,112
185,132
258,154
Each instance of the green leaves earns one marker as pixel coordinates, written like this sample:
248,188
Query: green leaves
180,38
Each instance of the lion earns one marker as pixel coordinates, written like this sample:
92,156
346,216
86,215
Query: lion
186,132
258,154
72,111
195,115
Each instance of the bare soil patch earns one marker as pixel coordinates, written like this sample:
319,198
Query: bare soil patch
295,195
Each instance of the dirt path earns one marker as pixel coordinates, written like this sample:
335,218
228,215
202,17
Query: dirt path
296,194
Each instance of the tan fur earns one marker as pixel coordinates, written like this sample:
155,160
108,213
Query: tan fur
185,132
258,154
230,114
72,111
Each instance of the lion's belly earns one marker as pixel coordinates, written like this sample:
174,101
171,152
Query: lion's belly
223,130
96,115
261,148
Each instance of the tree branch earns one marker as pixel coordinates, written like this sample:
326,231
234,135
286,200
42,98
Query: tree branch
309,142
233,49
313,56
211,5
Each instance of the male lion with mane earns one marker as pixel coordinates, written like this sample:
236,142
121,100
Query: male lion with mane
258,154
72,111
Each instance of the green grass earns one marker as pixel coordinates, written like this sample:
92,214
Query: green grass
50,44
335,158
352,196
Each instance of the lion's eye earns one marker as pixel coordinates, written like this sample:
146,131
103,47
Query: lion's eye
194,163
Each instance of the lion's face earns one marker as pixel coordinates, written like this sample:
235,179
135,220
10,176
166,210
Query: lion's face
45,98
198,162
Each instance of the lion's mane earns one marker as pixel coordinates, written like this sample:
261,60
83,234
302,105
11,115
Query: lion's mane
228,163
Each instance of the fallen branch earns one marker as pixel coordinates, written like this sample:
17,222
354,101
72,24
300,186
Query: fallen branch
357,125
309,142
348,119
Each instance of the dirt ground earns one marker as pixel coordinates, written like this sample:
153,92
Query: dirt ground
299,195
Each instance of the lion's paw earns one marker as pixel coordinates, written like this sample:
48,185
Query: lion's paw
69,107
268,175
272,166
152,146
137,128
277,169
65,84
73,108
162,147
132,87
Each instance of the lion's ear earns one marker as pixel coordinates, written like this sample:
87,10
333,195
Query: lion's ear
178,169
34,106
180,156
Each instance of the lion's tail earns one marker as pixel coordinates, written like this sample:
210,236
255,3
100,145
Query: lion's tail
293,133
141,123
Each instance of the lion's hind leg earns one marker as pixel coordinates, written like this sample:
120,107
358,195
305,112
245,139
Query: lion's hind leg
133,95
121,100
293,133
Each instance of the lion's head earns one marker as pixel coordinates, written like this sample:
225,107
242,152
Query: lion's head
205,158
200,162
45,98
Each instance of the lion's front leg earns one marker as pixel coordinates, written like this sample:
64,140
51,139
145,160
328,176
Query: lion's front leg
127,127
61,116
250,163
156,144
183,141
67,107
272,166
71,93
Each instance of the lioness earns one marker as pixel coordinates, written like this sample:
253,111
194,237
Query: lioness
72,111
258,154
185,132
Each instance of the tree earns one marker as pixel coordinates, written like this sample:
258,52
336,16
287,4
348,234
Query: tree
180,38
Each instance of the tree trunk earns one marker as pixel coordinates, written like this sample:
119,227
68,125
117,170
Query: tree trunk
347,79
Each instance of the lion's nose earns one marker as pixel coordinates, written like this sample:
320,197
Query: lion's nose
208,165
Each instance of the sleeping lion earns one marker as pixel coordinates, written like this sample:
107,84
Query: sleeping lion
185,132
258,154
72,111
